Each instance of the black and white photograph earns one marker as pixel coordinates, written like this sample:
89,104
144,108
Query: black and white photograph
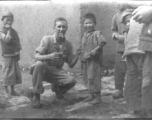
75,59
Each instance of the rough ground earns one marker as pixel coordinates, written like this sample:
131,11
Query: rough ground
70,107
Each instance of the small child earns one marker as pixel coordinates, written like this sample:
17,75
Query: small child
10,45
91,54
125,19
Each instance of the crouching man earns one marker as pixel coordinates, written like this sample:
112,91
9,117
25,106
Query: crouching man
53,51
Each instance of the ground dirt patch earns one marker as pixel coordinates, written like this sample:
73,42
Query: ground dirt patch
70,107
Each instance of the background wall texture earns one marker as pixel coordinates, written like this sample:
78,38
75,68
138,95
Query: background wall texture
33,21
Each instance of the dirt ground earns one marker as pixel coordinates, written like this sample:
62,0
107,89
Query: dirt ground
70,107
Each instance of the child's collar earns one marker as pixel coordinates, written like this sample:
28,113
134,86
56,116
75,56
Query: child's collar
87,34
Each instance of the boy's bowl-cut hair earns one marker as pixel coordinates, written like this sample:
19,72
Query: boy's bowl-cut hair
6,14
90,16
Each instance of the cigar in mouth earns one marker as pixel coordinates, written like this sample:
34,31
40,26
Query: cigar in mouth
61,35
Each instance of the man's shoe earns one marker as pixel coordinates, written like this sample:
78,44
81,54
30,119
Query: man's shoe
59,95
55,89
36,104
36,101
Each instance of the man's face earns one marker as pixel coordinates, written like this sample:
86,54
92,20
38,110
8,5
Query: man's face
89,25
7,22
60,28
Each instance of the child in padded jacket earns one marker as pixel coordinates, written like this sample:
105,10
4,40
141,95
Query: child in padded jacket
91,55
10,45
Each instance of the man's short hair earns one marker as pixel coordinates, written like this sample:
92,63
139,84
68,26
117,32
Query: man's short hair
90,16
60,19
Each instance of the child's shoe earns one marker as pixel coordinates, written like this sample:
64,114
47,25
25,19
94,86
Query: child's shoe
97,99
8,96
89,98
118,95
14,93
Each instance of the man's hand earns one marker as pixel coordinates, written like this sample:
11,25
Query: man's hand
120,38
143,14
54,56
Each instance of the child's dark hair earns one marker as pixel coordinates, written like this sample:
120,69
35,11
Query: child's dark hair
6,14
60,19
90,16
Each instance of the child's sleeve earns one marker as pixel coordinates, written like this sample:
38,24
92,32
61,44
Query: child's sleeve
101,39
5,37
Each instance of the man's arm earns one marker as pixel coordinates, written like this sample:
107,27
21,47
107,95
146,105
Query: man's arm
40,57
41,51
74,61
143,14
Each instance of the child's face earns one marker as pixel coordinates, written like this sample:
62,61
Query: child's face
127,21
7,22
60,28
89,25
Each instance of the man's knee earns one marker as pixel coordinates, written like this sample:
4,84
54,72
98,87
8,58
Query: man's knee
39,64
72,81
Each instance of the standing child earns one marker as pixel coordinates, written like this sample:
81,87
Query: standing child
92,44
10,45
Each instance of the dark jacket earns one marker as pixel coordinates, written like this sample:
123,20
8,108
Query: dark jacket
13,45
145,43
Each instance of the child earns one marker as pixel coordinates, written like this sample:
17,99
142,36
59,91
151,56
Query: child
10,45
125,19
92,44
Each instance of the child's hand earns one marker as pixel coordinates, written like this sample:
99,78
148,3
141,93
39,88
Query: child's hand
93,52
120,38
78,51
18,57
